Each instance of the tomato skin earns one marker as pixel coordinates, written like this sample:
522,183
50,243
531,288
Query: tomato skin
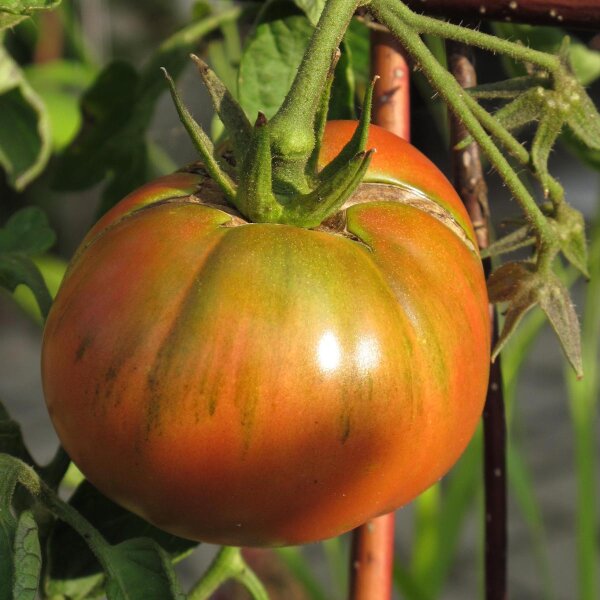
260,384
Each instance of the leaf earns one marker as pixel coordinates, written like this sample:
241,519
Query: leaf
16,270
569,226
11,437
269,63
7,20
27,558
514,283
584,61
515,240
507,89
544,139
357,41
583,119
522,287
60,84
26,7
341,103
110,128
27,231
117,110
8,526
71,562
24,126
312,9
140,570
554,300
522,110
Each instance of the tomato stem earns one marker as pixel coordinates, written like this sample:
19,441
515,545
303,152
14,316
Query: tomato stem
228,564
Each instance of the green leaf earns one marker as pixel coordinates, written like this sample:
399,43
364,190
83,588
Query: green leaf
583,119
111,127
15,270
547,131
24,126
312,9
342,96
508,89
357,40
117,110
515,240
7,20
584,61
26,7
269,63
8,526
11,437
140,570
522,110
27,558
52,269
60,84
569,226
27,231
72,564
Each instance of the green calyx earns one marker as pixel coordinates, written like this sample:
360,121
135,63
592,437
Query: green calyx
276,177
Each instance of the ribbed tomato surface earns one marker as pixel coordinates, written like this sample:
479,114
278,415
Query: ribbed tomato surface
262,384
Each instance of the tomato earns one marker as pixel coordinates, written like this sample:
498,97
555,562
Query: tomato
263,384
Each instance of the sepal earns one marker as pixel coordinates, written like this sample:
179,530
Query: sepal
229,110
202,142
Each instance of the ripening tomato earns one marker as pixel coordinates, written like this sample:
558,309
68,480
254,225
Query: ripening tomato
263,384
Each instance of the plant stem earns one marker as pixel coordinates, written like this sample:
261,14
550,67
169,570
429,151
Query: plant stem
395,18
469,181
472,37
228,564
292,128
564,13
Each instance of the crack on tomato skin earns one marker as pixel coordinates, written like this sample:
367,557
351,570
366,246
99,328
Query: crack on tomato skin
384,192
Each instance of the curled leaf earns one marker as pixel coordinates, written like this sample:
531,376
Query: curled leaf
521,286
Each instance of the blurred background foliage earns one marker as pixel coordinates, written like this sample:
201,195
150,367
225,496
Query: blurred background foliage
84,119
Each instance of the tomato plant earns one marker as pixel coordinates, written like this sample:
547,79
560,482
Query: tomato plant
265,384
291,335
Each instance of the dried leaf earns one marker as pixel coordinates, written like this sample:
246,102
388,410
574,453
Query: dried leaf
523,287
